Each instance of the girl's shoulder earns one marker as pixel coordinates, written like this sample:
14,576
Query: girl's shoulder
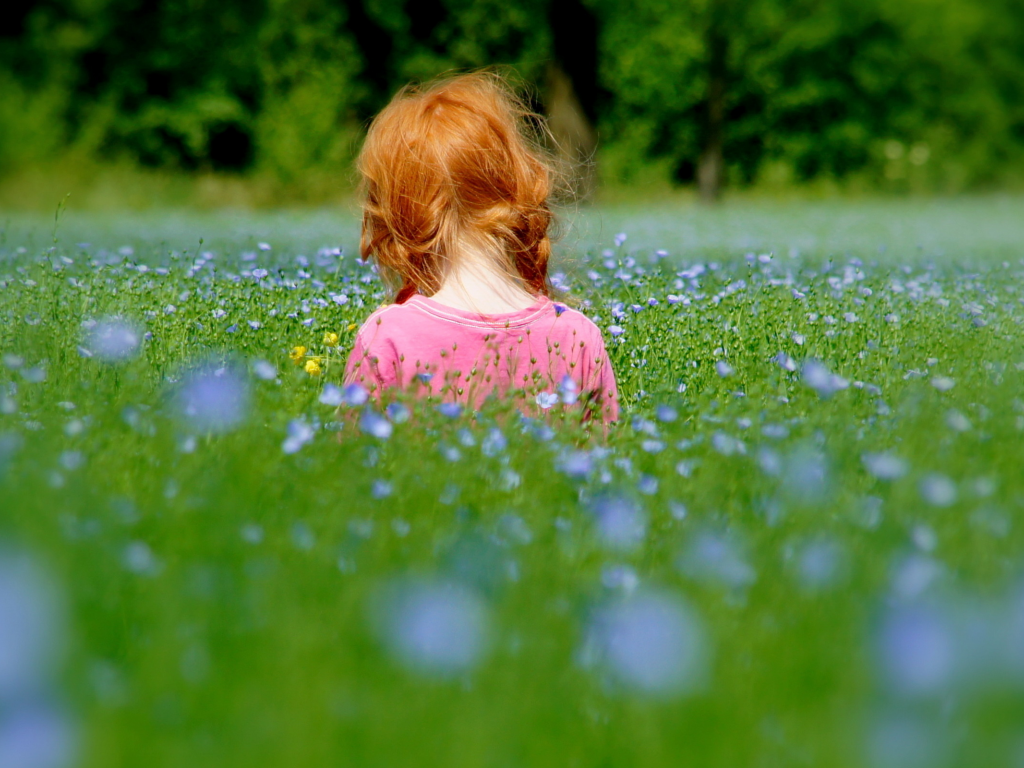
377,316
380,320
573,319
415,317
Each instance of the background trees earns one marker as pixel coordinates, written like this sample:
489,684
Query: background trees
903,93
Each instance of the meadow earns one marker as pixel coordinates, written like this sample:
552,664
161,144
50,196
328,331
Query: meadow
801,544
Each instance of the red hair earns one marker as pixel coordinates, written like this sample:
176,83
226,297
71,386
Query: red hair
451,163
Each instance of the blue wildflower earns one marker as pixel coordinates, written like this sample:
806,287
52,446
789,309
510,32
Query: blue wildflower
666,413
354,394
568,389
576,464
451,410
299,433
374,424
332,395
494,443
398,413
547,399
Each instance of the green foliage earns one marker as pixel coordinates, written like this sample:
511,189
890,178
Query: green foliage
32,131
822,87
309,69
223,596
903,95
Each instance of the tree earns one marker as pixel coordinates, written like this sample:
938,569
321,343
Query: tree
571,94
711,161
897,93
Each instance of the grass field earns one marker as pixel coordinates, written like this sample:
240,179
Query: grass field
801,545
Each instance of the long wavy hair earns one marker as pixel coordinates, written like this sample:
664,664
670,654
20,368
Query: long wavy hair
456,162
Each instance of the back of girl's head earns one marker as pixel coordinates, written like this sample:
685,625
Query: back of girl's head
450,165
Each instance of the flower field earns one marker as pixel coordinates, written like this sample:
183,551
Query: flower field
803,544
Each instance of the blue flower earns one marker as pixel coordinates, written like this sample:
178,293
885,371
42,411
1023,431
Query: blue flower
540,431
214,399
114,340
547,399
354,394
332,395
372,423
576,464
785,361
819,378
621,522
650,642
451,410
264,370
568,389
666,413
435,628
647,484
398,413
494,443
299,433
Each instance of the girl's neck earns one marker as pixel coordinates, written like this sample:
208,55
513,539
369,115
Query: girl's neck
477,283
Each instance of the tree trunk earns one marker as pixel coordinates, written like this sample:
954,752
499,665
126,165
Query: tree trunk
575,137
711,164
572,91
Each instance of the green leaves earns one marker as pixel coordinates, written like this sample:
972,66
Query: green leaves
907,95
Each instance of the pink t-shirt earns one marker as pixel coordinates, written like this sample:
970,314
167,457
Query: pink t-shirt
553,355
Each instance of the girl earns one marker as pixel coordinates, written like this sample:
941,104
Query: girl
456,218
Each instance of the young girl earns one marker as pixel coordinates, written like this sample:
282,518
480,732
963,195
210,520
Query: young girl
456,220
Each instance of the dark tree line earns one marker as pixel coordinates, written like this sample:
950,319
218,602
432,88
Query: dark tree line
700,91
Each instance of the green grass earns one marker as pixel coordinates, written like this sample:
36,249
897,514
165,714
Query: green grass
802,576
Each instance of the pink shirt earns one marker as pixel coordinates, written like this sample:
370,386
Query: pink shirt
552,354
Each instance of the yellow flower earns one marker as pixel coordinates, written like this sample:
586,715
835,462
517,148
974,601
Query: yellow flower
297,354
351,326
312,367
331,339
